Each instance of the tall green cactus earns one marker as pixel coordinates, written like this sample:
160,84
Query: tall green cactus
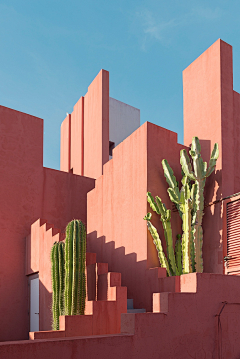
75,258
199,175
57,274
190,204
183,201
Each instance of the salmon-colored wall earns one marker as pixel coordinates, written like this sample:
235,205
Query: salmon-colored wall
85,133
210,112
65,151
117,205
28,191
96,125
201,323
236,117
77,123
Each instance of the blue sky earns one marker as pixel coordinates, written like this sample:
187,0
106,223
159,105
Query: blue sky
52,50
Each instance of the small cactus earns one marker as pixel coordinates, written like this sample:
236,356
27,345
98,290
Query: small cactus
68,273
57,273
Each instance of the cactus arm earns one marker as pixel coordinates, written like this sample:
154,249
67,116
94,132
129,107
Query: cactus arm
152,203
148,217
156,240
213,160
173,190
174,197
178,255
82,276
168,173
75,264
201,172
196,147
185,239
198,240
166,222
55,287
75,268
68,268
61,277
186,226
53,269
198,164
186,165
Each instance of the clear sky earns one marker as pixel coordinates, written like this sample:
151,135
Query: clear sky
52,50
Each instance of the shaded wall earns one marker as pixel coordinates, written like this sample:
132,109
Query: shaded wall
28,191
211,112
117,205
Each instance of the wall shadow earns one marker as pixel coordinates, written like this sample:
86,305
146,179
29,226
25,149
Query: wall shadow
140,281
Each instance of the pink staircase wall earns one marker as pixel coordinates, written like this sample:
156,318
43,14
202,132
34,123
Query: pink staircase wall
117,205
28,191
201,321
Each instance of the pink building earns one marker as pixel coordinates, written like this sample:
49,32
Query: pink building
108,163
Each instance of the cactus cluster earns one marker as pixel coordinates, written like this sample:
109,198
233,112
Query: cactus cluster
189,201
68,273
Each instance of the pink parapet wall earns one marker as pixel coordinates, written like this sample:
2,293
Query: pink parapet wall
200,321
85,133
28,191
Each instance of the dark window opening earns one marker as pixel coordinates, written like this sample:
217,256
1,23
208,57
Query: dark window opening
111,147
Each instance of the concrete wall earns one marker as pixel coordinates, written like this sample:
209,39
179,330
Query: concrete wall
200,322
211,112
28,191
85,133
123,120
117,205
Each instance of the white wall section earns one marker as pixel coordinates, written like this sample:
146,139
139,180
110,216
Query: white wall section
123,120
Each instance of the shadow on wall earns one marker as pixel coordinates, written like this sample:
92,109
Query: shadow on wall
45,302
213,225
141,282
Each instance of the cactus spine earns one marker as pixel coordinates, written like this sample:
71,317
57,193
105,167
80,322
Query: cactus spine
57,272
75,257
